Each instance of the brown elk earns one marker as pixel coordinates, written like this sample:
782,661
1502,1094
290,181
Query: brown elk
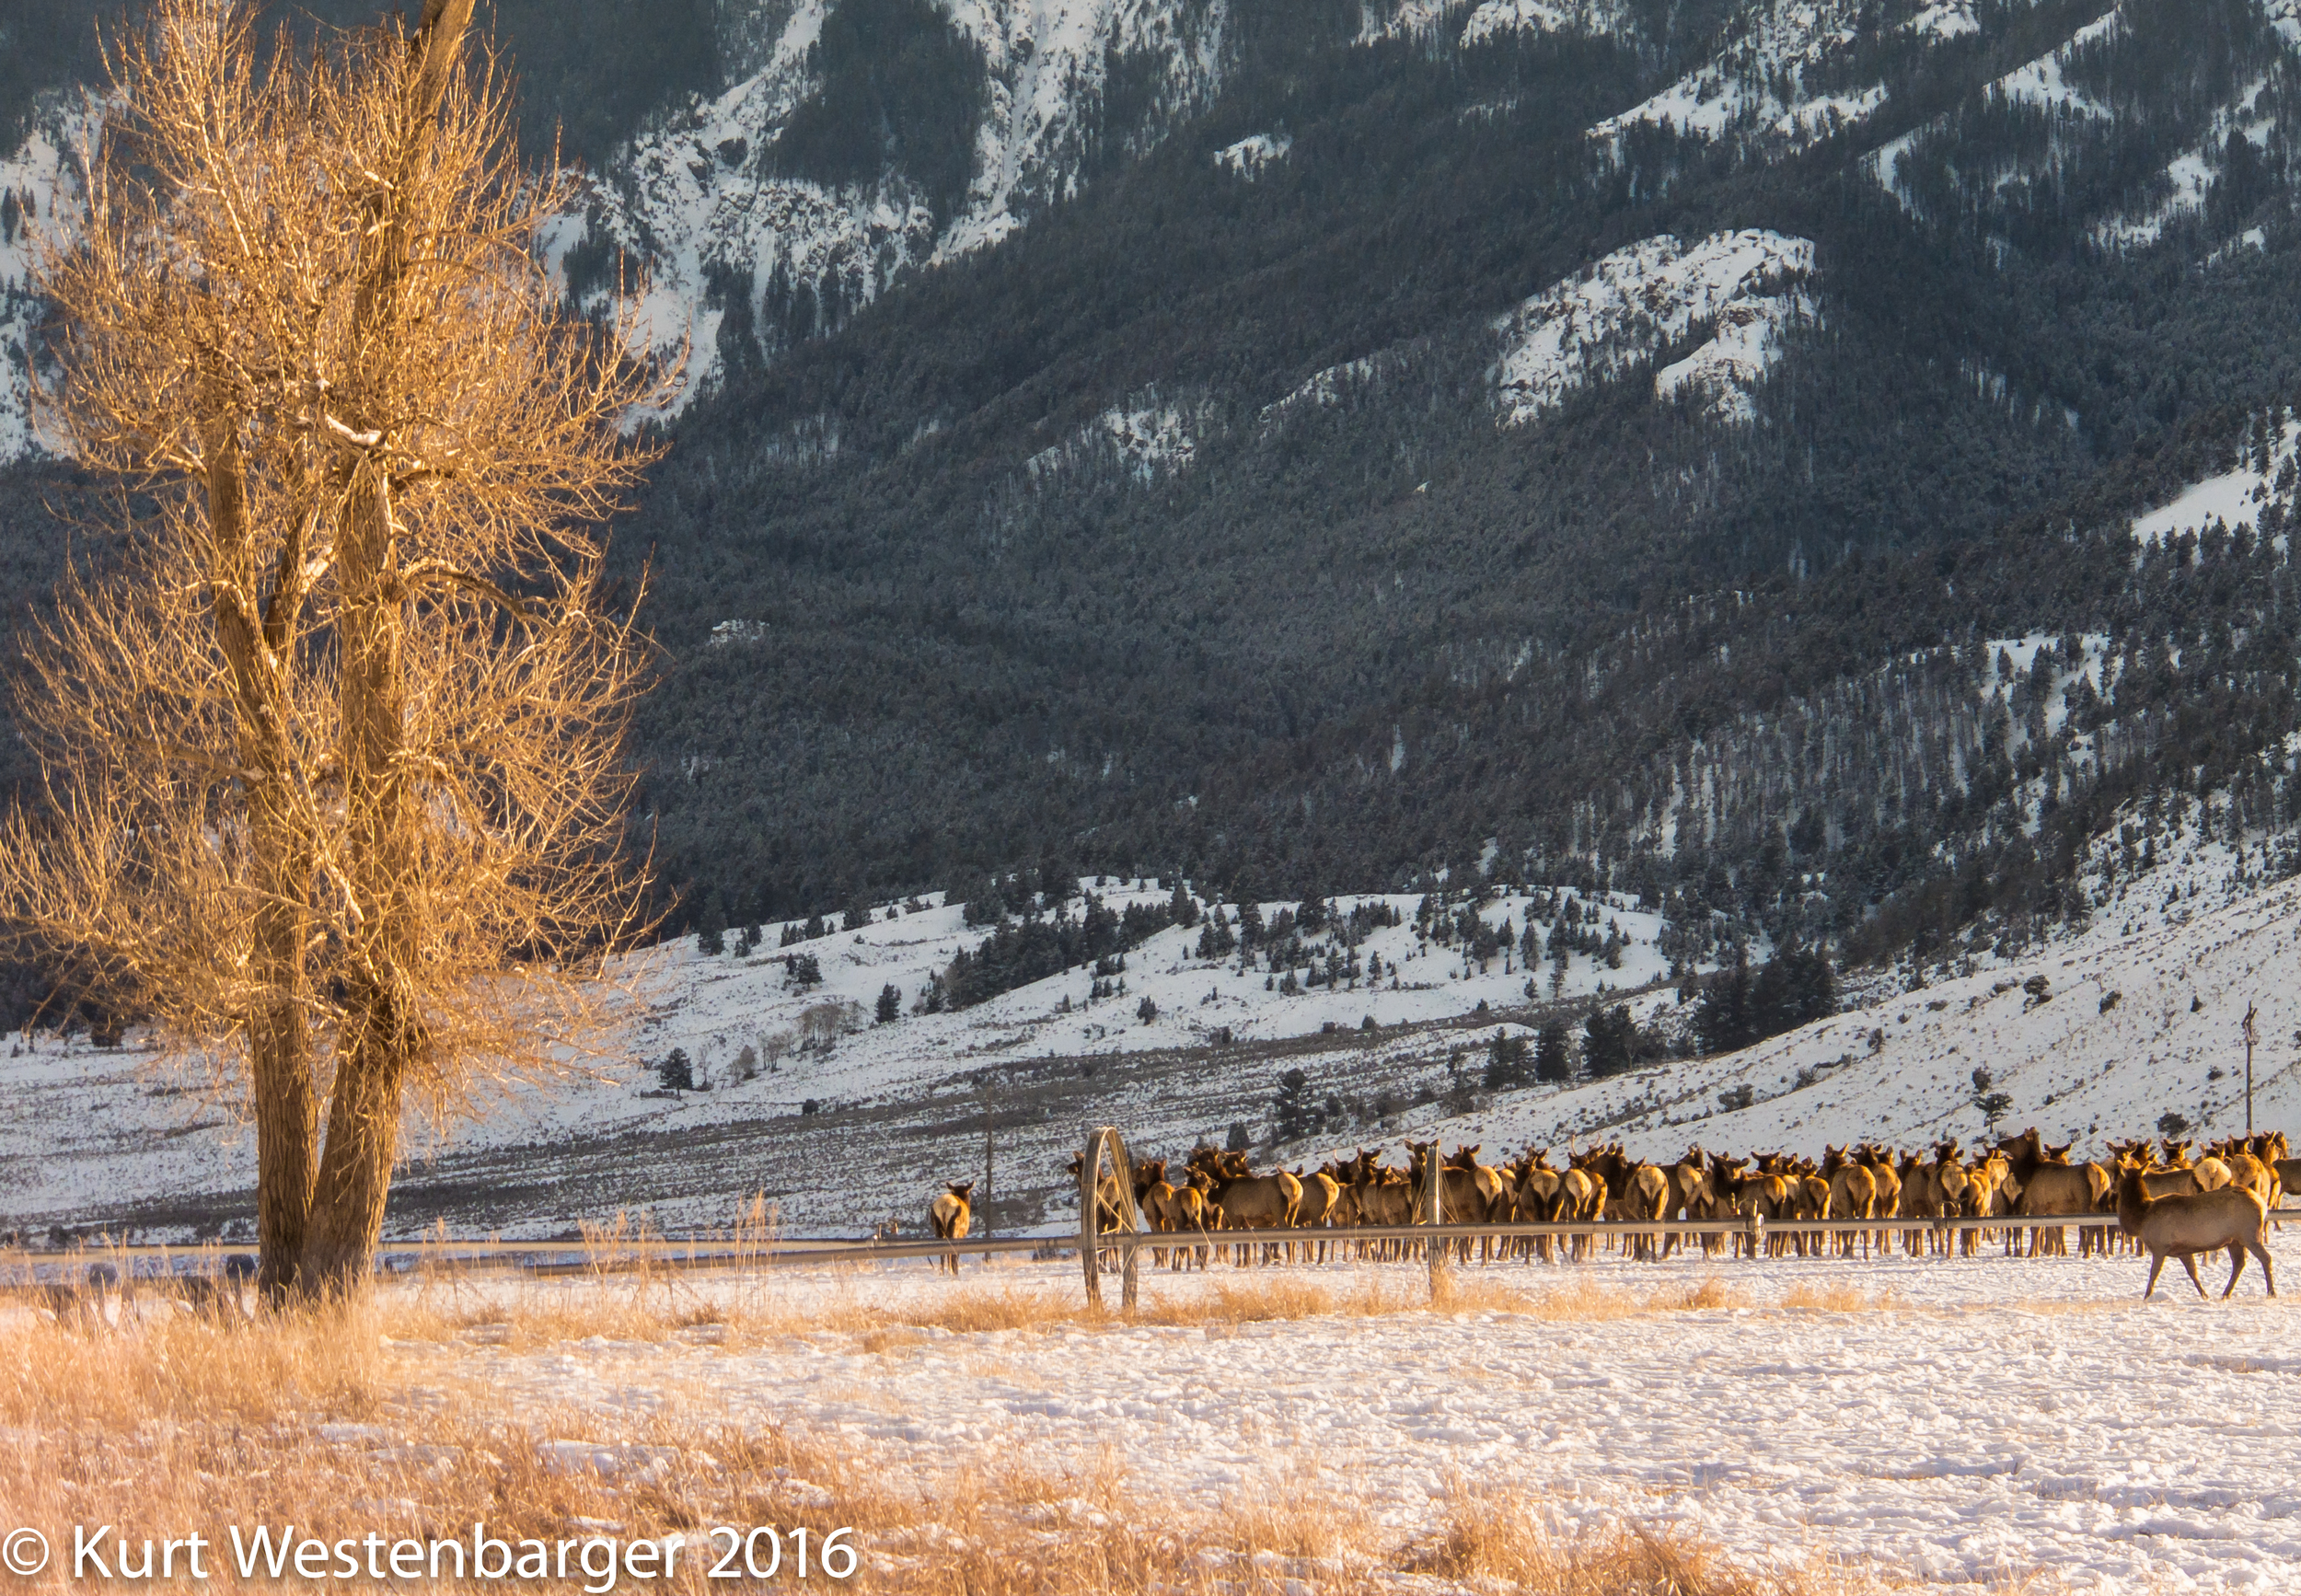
1810,1202
1921,1199
2230,1219
1462,1192
1853,1193
948,1216
1322,1197
1762,1196
1168,1209
2048,1185
1384,1199
2253,1174
1985,1196
2174,1179
1495,1197
1247,1201
1539,1193
1879,1162
1690,1193
1638,1192
1584,1196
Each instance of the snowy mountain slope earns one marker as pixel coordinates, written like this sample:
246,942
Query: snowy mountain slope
699,203
1488,19
2043,83
2081,94
1145,438
1773,84
1741,289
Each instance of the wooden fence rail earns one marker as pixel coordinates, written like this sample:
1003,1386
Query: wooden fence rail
557,1258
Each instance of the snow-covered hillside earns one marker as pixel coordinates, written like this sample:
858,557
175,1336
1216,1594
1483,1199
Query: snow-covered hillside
2234,498
1737,291
2138,1020
76,1120
1766,85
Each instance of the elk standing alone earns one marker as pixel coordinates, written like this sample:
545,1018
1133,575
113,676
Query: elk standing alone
2231,1218
949,1215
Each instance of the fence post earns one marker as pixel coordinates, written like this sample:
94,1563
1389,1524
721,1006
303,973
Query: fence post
1090,1172
1434,1210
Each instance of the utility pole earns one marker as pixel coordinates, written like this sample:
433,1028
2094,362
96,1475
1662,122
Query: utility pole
2252,1034
986,1155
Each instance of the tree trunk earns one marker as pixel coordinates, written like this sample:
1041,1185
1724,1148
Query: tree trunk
355,1170
278,1025
383,1031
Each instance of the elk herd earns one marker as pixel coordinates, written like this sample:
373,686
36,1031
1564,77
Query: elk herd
2154,1198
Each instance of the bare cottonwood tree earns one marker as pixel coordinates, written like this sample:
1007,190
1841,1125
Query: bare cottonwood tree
332,753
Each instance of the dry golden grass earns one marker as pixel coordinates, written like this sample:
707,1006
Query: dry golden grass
756,1310
1494,1541
1841,1299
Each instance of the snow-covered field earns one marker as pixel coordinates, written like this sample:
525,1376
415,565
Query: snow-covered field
1969,1424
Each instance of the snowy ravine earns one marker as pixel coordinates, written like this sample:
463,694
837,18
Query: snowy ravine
699,203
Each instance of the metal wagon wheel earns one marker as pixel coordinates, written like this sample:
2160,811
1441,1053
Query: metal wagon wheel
1104,1141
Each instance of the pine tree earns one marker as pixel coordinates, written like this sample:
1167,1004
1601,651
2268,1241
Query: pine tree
1216,940
890,1004
1183,909
1507,1062
676,1071
1553,1054
1293,1113
1609,1041
1722,1019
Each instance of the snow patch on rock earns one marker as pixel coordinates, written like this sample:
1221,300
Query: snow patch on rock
34,182
1490,18
1947,19
1147,438
1739,289
1252,154
1495,17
